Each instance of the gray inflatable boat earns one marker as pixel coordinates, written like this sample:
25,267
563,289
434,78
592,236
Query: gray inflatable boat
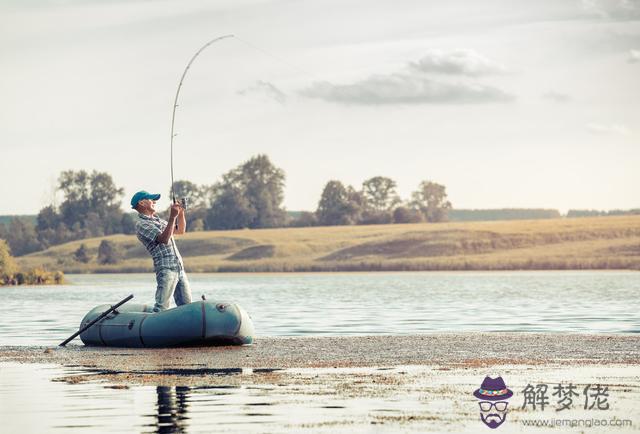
197,323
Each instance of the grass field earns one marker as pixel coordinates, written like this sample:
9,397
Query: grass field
581,243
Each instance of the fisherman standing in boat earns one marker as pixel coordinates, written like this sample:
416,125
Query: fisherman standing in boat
156,235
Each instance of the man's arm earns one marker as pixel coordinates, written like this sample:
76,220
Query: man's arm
182,223
166,235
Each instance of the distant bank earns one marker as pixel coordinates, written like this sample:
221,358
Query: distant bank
551,244
459,215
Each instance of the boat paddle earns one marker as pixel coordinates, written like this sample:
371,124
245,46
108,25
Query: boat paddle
102,315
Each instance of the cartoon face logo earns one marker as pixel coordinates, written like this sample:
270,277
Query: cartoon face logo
492,399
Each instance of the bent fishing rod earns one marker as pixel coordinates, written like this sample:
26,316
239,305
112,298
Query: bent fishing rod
184,74
175,102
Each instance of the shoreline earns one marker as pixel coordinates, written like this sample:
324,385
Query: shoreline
273,273
351,268
68,275
471,349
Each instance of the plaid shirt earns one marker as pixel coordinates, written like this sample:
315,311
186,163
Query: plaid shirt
164,255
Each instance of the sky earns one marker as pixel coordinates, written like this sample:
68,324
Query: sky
508,103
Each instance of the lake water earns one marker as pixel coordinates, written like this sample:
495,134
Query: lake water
33,401
249,408
353,303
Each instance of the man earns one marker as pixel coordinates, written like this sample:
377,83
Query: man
157,236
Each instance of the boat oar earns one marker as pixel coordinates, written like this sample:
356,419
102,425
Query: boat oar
102,315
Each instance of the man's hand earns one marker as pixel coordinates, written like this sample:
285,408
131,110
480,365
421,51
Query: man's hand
166,235
181,222
175,210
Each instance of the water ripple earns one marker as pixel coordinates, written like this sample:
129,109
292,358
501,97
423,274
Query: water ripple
354,304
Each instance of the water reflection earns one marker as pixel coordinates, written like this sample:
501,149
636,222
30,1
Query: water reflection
64,407
172,406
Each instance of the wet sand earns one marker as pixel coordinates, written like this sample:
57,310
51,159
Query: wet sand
441,349
440,352
407,383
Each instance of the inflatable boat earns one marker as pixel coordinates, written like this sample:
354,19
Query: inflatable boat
197,323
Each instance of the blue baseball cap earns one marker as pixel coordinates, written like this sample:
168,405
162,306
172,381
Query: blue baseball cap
142,195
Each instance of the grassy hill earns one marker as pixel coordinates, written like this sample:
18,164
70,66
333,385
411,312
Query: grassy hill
585,243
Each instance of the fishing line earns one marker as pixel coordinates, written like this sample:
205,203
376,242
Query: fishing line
273,56
184,74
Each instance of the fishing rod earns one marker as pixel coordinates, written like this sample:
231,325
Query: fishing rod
175,102
184,74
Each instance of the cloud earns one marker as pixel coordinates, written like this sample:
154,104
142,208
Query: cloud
267,89
414,84
634,56
457,62
612,9
557,97
402,88
611,129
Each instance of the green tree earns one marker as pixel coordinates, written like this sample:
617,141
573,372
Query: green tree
404,214
263,186
21,236
431,200
7,264
108,253
339,205
305,219
252,193
94,193
48,218
94,224
4,232
104,194
128,223
82,254
380,194
357,205
91,207
77,203
230,210
47,227
196,225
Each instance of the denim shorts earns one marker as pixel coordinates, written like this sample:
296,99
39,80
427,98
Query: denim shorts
171,282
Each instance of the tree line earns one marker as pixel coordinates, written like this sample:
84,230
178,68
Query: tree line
376,202
503,214
91,208
250,195
573,213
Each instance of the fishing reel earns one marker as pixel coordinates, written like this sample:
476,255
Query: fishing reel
182,202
